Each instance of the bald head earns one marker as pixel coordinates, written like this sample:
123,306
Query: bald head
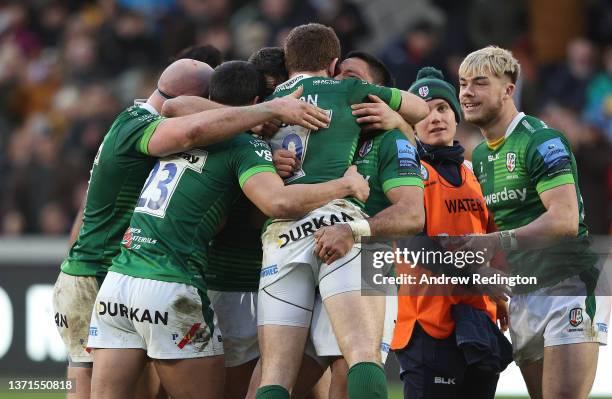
185,77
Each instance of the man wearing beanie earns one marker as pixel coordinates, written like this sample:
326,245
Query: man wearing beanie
435,336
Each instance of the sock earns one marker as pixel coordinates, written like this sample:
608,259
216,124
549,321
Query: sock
367,380
272,392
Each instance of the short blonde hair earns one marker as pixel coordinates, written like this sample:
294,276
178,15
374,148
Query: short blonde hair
491,60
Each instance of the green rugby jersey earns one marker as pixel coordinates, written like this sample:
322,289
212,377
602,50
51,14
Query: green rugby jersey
117,176
235,254
533,158
326,154
387,161
182,205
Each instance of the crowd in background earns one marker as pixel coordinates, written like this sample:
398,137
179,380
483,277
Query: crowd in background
68,67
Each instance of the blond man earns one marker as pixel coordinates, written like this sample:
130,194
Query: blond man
528,176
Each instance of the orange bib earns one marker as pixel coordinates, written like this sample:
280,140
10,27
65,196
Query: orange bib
452,211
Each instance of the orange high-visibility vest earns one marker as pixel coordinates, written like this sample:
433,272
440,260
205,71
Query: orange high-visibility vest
452,211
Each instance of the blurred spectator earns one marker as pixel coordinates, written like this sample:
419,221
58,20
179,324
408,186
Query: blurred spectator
567,84
598,110
592,153
346,19
412,51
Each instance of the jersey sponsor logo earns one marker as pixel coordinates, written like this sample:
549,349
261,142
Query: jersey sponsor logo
444,380
511,161
61,320
325,82
127,238
553,151
366,147
423,91
506,195
424,173
575,317
464,205
492,158
269,271
406,154
309,227
93,331
135,314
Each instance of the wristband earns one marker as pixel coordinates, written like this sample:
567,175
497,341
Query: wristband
507,239
359,228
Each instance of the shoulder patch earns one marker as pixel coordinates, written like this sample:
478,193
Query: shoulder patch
552,151
406,153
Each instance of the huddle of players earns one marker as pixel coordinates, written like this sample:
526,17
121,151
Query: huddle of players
158,297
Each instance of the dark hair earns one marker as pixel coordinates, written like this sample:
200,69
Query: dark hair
378,69
207,53
235,83
311,47
270,62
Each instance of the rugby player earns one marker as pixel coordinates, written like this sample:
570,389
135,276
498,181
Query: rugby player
153,301
290,267
528,177
425,338
395,202
120,168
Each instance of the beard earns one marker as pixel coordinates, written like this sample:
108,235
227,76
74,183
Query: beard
487,115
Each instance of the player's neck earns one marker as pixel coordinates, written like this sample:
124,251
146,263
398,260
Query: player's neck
496,129
322,72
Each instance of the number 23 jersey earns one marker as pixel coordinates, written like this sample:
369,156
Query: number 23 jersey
182,205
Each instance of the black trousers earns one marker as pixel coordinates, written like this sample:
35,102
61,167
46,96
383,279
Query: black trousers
436,369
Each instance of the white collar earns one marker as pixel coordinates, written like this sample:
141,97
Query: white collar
291,82
515,121
145,105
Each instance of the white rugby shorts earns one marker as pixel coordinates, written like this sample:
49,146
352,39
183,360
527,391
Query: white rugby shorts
73,300
291,271
237,316
168,320
539,319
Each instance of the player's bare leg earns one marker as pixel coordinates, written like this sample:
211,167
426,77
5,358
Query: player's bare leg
237,380
82,382
321,389
310,372
532,374
338,386
280,364
569,370
116,372
358,323
149,386
201,378
308,380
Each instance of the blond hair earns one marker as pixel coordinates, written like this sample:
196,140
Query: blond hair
491,60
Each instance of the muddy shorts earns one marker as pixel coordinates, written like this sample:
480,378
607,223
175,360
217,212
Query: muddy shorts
167,320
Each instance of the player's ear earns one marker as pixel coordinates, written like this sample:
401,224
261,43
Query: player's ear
331,70
510,88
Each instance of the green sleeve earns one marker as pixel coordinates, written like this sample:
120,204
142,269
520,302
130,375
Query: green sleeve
135,126
548,160
359,91
250,156
399,163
